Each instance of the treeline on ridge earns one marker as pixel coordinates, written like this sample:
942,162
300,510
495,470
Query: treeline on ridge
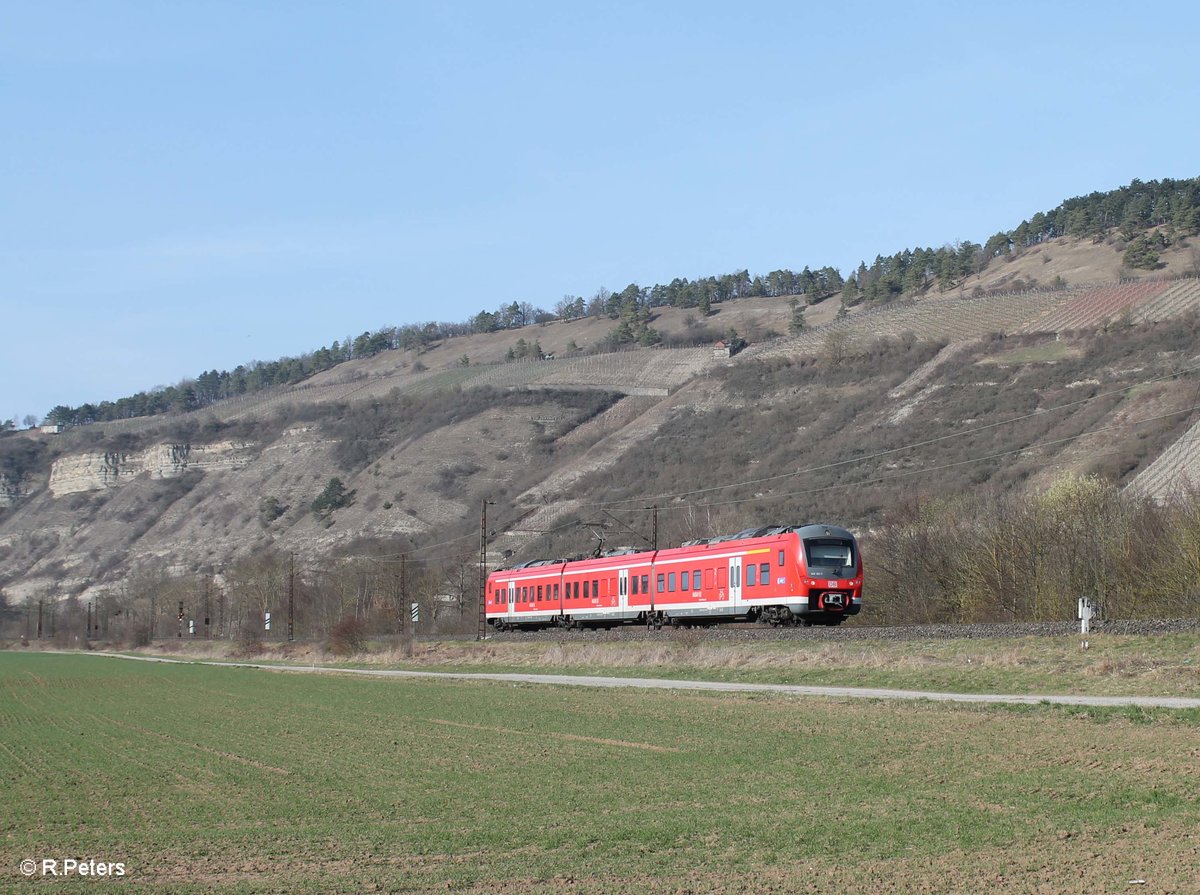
1170,206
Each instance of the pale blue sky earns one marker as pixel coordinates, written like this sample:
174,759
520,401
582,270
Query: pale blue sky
194,185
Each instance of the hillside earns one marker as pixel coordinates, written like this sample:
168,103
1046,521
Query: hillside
852,419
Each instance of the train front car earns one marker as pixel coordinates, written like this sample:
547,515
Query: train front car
831,575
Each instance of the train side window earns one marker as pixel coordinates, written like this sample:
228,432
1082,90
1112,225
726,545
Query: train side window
662,582
708,578
556,590
635,584
595,587
764,573
645,584
685,581
751,575
587,589
696,579
576,590
722,577
612,587
671,583
781,559
524,594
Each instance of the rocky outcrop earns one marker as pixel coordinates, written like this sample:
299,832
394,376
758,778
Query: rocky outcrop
11,491
97,470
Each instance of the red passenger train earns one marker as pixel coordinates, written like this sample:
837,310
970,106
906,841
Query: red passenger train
808,574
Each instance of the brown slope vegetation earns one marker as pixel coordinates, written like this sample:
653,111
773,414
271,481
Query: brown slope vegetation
819,428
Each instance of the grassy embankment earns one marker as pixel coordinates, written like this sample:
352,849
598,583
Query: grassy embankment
1113,665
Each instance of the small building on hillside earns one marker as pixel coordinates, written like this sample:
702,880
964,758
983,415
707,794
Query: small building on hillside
721,350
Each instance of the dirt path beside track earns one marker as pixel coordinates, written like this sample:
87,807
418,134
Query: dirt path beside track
568,680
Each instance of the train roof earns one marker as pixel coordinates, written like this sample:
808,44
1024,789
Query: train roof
809,530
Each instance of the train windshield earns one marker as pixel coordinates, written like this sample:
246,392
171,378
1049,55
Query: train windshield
829,553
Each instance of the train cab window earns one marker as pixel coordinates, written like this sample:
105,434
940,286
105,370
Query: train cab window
662,583
645,584
685,581
635,584
751,575
781,559
764,573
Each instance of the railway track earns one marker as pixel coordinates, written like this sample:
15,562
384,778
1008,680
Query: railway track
743,632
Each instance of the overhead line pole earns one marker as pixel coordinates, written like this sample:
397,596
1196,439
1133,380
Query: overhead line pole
291,597
482,569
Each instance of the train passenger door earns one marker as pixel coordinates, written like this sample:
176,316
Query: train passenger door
735,581
623,590
512,602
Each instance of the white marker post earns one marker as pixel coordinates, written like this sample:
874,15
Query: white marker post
266,621
1086,611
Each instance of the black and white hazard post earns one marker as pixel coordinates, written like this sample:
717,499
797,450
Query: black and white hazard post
1086,610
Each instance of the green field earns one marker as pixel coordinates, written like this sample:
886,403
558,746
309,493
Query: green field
204,779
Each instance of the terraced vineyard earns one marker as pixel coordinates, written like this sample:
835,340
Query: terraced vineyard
1095,307
1175,468
632,372
952,319
1178,298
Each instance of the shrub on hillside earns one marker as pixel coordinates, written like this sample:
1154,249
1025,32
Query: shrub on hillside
334,497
